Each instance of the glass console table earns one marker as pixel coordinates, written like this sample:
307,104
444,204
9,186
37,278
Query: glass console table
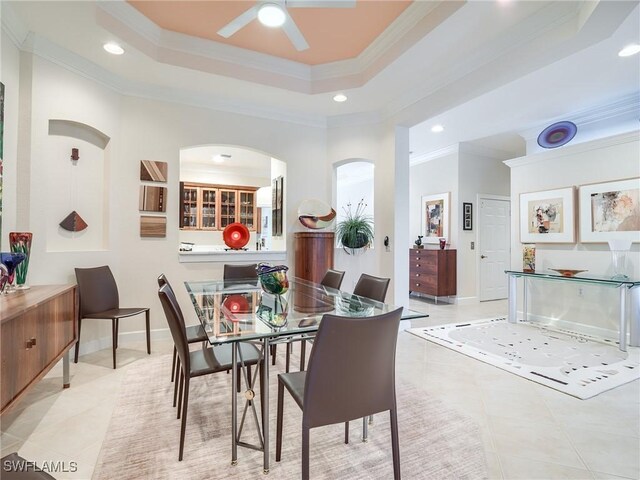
629,293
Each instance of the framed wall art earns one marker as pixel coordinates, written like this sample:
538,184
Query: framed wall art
610,211
467,216
153,199
548,216
152,171
435,217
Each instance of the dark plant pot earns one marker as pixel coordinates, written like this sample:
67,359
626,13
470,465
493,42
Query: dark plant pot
362,240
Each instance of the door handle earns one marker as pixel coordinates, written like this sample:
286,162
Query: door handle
483,256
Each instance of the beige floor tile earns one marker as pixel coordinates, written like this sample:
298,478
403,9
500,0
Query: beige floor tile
608,476
493,466
516,468
610,453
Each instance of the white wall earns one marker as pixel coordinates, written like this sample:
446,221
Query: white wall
143,129
592,162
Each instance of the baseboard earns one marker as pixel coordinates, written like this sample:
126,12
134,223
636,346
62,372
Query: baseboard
437,300
567,325
466,300
124,338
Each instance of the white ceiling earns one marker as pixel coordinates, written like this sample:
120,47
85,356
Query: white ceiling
488,72
242,162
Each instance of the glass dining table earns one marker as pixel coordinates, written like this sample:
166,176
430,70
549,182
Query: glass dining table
240,311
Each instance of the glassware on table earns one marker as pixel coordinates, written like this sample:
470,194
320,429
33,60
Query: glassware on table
273,279
11,260
619,249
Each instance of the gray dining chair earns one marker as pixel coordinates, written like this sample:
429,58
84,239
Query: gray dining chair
98,293
351,375
195,334
331,279
239,272
372,287
197,363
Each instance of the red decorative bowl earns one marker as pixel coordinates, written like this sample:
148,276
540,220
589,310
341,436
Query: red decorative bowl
236,236
236,304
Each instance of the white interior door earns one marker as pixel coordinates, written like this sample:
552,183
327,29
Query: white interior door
494,247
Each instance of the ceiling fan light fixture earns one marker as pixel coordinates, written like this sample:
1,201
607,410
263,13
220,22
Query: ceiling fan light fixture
271,15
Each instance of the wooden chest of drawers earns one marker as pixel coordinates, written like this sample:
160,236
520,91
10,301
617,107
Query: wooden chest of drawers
432,272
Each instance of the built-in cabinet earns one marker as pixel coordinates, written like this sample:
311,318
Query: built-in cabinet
432,272
214,207
37,328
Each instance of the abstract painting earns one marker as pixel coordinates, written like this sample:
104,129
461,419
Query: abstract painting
610,211
153,199
435,217
152,171
548,216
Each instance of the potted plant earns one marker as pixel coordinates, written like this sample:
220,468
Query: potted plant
355,230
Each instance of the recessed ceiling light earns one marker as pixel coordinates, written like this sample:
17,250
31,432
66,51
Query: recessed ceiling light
437,128
629,50
113,48
340,97
271,15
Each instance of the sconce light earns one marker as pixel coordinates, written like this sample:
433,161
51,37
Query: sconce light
74,155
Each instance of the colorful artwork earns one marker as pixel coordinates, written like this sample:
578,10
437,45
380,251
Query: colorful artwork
528,258
545,216
610,211
435,217
616,211
548,216
73,222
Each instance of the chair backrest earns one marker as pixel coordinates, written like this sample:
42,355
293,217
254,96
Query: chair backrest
176,323
97,290
236,272
372,287
351,370
162,280
332,279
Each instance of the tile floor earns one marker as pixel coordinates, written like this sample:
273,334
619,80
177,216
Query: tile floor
529,431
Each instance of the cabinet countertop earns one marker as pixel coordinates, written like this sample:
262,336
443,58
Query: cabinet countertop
15,304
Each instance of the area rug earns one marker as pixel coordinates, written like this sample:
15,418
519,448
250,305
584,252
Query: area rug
142,441
573,363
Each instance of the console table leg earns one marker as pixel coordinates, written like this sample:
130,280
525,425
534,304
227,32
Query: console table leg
623,323
634,317
513,304
65,370
525,289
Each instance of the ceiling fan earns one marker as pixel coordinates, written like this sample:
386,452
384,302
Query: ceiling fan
273,13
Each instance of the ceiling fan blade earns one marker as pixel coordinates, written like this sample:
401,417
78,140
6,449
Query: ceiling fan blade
237,23
294,33
321,3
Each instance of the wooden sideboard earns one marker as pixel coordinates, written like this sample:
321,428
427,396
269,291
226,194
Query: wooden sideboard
38,327
432,272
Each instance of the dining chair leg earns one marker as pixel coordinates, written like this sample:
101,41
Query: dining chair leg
75,359
274,349
114,344
148,332
395,445
181,382
370,419
249,374
303,354
305,453
173,364
238,379
175,385
346,432
288,358
279,420
365,430
183,426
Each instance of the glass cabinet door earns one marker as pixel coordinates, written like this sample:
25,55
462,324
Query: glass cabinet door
208,211
247,209
227,207
189,214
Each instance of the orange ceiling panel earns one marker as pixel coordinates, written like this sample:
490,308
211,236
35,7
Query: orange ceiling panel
333,34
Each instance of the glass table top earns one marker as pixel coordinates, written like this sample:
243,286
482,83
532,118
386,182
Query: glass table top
584,277
240,310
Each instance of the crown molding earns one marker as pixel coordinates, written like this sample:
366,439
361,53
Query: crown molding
427,157
625,107
355,119
12,25
481,151
81,66
187,51
574,149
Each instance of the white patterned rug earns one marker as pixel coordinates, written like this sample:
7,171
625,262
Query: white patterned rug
576,364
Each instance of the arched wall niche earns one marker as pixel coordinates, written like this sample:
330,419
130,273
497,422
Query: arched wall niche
76,185
236,165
